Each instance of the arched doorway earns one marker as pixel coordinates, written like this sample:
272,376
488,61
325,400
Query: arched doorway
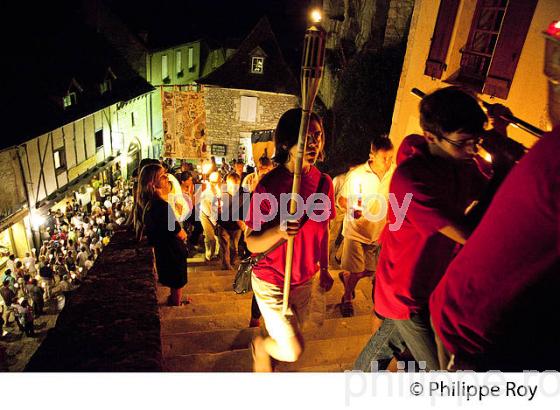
133,155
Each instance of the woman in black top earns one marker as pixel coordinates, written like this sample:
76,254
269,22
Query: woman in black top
164,233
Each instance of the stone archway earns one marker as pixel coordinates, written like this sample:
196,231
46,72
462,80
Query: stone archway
134,156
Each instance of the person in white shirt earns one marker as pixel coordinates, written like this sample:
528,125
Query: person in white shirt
209,214
11,263
29,263
264,166
82,257
364,201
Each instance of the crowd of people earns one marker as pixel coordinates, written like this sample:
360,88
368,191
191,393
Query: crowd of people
447,288
447,285
72,237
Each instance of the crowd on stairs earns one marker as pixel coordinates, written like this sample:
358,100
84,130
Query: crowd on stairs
446,287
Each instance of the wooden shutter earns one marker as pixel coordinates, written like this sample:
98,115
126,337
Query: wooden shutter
435,65
515,26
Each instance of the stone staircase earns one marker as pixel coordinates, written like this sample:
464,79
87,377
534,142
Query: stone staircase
211,334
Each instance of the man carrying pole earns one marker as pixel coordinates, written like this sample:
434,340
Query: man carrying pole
296,245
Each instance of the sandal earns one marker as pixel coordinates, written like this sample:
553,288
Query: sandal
341,277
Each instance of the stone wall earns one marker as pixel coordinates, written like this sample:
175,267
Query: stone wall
111,322
398,22
222,115
357,26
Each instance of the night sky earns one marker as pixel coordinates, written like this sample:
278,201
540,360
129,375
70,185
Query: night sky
171,22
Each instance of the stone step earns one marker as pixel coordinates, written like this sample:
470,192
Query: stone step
317,354
199,298
204,323
230,296
215,341
215,283
242,306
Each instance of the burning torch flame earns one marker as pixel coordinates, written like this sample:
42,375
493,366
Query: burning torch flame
316,16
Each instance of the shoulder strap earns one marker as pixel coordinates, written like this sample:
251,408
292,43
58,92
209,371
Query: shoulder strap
304,219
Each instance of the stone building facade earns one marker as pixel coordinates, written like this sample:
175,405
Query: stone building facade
225,124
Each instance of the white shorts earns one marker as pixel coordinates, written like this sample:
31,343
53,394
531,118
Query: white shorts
270,297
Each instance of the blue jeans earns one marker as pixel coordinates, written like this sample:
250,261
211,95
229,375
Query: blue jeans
381,348
394,336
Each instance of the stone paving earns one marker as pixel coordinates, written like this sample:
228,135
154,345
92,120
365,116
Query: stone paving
16,348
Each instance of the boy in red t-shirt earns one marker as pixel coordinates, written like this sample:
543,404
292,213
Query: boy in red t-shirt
496,306
440,179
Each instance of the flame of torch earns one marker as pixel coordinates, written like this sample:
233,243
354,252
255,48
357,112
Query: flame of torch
311,73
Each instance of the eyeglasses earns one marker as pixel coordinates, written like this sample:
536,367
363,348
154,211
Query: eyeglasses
314,137
463,143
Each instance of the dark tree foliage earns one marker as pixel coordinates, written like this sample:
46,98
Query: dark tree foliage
363,106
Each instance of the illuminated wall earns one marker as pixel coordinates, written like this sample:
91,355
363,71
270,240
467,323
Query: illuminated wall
528,93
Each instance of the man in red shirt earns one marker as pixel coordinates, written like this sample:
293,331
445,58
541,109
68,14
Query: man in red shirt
441,180
268,224
496,306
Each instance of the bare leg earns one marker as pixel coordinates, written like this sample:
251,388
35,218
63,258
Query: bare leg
175,296
350,282
265,348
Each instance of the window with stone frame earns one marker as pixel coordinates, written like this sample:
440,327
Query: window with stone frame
164,68
190,59
257,65
248,109
179,63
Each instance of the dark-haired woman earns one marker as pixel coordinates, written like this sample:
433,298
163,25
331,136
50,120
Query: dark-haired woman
164,233
285,342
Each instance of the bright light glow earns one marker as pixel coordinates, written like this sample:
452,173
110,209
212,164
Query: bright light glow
487,157
37,220
316,16
206,168
557,24
214,177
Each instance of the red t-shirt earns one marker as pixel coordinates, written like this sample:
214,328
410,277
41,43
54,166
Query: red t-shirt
308,242
503,288
414,257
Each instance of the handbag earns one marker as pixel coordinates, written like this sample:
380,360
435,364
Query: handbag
242,280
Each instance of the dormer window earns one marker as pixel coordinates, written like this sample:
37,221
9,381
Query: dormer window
257,65
105,86
69,100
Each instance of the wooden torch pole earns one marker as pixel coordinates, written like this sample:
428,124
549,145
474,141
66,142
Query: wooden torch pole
311,74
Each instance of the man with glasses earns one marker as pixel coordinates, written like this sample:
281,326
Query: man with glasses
440,180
